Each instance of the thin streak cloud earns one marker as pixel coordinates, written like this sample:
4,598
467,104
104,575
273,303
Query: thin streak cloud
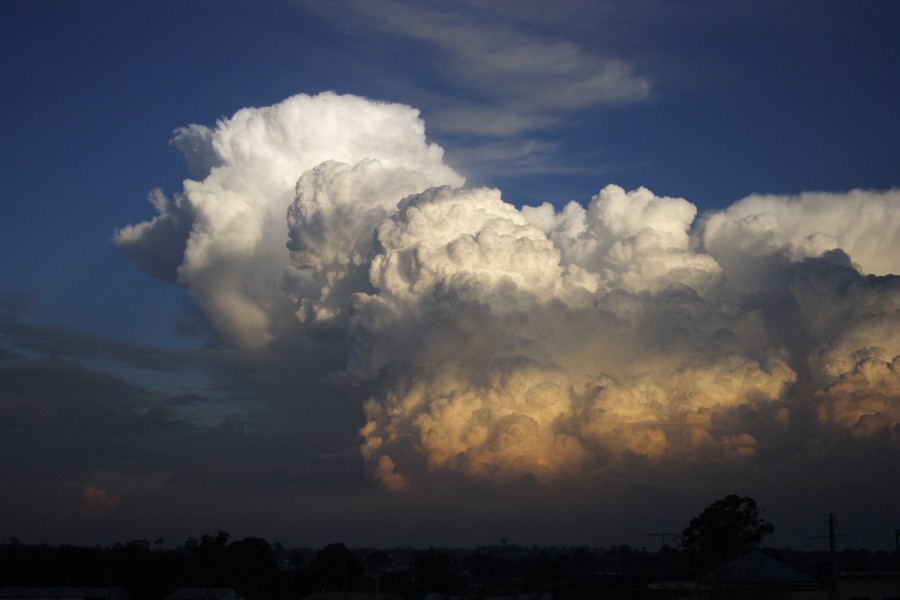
525,81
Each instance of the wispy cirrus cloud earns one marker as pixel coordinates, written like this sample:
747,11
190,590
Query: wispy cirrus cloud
500,76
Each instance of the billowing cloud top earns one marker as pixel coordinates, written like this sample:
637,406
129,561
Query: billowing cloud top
509,343
224,235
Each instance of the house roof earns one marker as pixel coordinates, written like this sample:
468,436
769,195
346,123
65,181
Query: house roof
757,567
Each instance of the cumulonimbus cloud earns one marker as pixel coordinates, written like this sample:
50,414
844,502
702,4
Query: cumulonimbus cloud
228,224
504,343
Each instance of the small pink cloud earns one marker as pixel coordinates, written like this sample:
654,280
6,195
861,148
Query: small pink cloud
97,501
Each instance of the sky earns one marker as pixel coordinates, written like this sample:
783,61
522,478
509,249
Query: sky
444,273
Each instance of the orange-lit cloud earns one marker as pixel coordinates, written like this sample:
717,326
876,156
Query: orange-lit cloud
866,400
96,501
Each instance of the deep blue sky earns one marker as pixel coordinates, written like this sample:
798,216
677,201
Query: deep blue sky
739,98
773,98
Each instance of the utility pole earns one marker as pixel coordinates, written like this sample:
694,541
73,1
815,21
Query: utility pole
897,543
833,592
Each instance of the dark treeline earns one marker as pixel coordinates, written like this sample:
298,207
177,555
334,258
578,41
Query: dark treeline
258,570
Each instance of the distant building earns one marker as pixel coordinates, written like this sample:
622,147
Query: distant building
754,576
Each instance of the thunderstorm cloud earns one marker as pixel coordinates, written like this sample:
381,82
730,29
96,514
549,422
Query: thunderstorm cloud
486,341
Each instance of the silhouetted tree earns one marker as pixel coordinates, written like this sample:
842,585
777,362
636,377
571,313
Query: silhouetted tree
296,559
725,530
582,559
378,560
142,572
334,569
541,570
432,569
206,567
217,542
250,569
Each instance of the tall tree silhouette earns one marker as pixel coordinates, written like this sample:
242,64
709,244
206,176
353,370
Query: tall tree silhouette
334,569
725,530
